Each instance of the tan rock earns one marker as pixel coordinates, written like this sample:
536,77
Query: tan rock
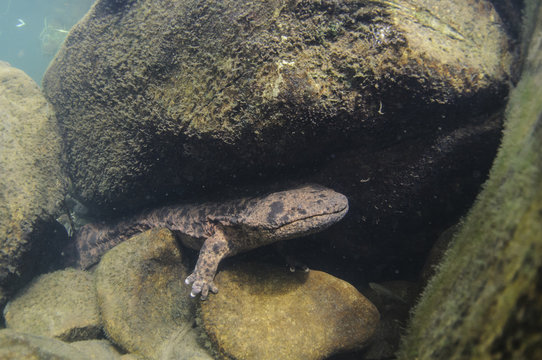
32,184
264,312
145,304
15,345
62,305
97,349
132,357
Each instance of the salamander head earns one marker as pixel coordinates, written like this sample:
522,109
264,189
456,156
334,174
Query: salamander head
297,212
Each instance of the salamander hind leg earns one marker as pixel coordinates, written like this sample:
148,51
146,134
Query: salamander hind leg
214,249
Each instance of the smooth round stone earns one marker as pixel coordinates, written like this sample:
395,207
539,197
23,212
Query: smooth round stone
16,345
144,302
97,349
264,312
61,304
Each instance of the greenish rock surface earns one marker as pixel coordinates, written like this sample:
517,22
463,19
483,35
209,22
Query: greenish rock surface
265,312
97,349
15,345
132,357
485,302
173,95
62,305
32,184
145,305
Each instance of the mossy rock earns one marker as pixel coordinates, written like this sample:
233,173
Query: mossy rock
62,305
265,312
485,302
32,184
144,302
170,96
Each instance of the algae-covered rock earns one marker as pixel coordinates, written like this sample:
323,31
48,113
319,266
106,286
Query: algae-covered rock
144,302
264,312
154,97
485,302
16,345
62,305
31,180
133,357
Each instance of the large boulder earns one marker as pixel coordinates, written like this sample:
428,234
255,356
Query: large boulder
485,301
265,312
154,98
32,184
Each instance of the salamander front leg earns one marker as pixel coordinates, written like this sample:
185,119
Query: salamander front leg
214,249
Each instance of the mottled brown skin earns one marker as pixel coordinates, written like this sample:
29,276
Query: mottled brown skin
219,230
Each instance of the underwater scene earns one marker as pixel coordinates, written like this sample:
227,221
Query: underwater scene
283,179
31,31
